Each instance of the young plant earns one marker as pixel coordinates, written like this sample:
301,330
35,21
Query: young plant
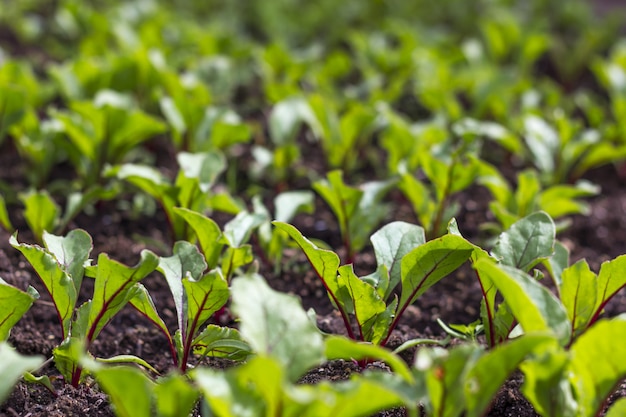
344,135
61,266
530,196
463,380
432,201
358,210
285,123
191,189
104,131
404,260
564,151
197,296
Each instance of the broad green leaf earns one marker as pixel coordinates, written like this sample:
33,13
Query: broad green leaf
143,303
493,368
443,372
543,142
275,324
5,222
526,242
391,243
42,380
223,342
338,347
611,279
286,118
578,295
557,263
129,389
71,251
123,359
289,203
186,260
425,265
598,359
41,213
208,234
173,115
205,296
238,230
204,167
14,303
325,263
114,287
57,282
532,304
370,310
253,389
13,366
545,382
175,396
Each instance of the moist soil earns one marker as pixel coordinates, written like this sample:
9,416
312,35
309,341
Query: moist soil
596,237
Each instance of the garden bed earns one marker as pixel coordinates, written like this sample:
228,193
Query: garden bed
123,227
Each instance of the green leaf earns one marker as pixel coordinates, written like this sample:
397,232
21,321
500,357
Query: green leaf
425,265
275,324
286,118
71,252
129,389
223,342
338,347
578,295
57,282
442,370
203,167
175,396
543,142
611,279
67,356
526,242
238,230
325,263
13,366
493,368
253,389
557,263
391,243
41,213
5,222
546,385
14,303
287,204
208,233
143,303
123,359
205,296
370,310
597,359
114,287
342,199
186,260
532,304
42,380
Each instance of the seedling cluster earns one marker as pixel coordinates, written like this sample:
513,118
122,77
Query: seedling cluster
229,126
